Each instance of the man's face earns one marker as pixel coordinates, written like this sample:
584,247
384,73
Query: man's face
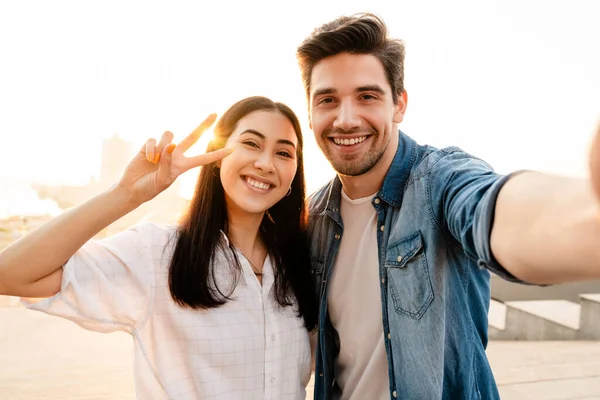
352,113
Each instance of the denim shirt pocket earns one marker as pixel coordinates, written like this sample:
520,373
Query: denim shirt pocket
409,281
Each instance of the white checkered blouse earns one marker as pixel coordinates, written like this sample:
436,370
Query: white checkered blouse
249,348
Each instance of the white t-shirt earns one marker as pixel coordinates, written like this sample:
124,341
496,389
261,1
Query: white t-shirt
249,348
354,301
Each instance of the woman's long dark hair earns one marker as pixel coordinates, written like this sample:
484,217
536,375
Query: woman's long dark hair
192,276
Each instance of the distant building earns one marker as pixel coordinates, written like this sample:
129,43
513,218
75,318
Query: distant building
117,153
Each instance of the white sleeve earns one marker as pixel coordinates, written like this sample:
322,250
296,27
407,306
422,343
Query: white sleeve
108,285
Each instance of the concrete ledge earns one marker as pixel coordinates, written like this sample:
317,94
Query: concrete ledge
540,320
590,317
595,297
497,315
561,312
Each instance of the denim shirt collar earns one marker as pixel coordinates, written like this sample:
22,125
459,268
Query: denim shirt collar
396,177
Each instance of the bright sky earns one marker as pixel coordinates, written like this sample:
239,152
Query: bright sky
514,82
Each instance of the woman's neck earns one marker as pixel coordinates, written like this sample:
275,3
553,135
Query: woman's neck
243,231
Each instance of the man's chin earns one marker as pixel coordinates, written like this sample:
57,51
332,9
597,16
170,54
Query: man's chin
355,167
351,170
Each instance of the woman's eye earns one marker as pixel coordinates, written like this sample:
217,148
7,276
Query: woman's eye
251,144
285,154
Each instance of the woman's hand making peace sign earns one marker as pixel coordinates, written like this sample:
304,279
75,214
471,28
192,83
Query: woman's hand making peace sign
156,166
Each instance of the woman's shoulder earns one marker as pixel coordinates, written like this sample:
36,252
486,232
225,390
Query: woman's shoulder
156,232
159,242
147,238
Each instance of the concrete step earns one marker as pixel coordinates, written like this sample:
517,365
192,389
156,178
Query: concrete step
590,317
497,320
542,320
545,319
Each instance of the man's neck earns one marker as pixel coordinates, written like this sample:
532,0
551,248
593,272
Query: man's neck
370,182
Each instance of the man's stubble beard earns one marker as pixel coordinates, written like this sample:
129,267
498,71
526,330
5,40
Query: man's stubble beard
361,166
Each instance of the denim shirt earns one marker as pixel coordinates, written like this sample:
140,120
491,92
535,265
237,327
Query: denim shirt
435,212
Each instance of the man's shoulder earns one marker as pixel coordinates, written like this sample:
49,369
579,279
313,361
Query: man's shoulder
415,161
430,158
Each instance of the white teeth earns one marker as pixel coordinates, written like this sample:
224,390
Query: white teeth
349,142
257,184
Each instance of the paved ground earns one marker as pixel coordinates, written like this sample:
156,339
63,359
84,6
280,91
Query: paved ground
47,358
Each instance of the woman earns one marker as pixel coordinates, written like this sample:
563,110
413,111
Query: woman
220,306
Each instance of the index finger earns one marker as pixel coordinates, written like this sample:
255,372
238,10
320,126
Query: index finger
195,135
207,158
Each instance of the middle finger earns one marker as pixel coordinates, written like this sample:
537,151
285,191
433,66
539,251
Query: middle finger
166,138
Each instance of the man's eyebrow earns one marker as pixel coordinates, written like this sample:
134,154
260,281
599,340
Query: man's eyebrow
321,92
370,88
260,135
360,89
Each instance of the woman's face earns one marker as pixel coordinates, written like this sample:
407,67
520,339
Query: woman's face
263,164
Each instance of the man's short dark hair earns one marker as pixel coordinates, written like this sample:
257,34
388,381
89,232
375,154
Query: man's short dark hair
356,34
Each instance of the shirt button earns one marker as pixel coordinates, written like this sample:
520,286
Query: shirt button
377,201
337,236
382,228
321,374
399,258
394,394
273,380
389,335
382,280
335,210
273,337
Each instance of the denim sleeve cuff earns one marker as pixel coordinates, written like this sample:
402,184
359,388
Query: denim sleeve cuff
483,231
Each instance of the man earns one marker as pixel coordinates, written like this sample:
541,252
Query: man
404,237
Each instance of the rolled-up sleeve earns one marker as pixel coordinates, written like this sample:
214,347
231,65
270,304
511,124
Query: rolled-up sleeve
464,190
108,284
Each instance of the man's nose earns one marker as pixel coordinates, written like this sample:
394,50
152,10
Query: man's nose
347,117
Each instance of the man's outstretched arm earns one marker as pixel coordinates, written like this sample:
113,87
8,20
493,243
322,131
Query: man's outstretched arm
547,228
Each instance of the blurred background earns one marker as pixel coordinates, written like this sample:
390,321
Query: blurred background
84,84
